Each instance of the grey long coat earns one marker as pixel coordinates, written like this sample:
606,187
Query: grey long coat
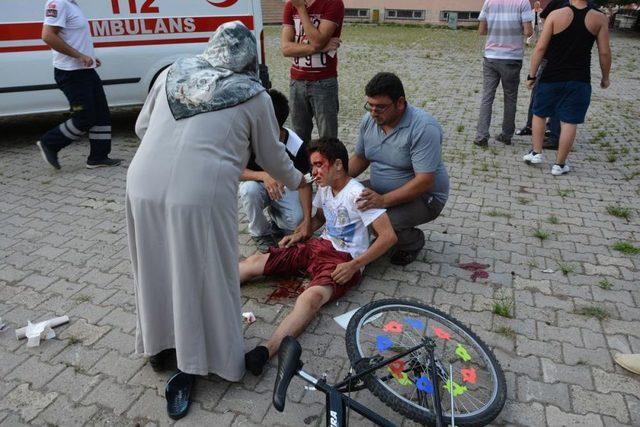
181,204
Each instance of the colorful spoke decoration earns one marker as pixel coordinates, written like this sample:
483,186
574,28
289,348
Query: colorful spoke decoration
442,334
463,353
403,379
393,326
414,323
469,375
457,388
383,343
397,367
424,384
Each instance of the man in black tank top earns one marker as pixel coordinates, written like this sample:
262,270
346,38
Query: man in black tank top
564,89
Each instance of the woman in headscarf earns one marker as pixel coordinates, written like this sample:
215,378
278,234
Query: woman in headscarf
202,118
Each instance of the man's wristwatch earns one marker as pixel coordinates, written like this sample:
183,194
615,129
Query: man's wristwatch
529,78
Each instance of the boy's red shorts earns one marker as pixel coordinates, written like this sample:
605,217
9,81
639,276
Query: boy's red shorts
316,258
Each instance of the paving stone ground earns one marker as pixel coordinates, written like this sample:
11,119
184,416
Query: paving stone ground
63,250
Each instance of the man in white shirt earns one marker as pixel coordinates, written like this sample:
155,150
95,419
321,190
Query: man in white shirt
506,23
66,31
334,261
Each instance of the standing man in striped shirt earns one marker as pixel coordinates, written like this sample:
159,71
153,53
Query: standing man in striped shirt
506,23
66,31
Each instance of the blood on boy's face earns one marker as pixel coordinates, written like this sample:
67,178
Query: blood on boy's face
320,168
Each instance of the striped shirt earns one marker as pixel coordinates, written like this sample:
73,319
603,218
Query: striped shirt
504,27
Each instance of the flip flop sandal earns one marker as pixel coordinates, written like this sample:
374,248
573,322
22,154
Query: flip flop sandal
524,131
178,394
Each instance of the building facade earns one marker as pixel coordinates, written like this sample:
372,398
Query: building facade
434,12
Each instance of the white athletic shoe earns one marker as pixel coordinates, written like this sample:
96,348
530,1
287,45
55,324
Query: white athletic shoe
532,158
560,170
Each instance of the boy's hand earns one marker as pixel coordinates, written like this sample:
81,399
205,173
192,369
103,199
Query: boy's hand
344,272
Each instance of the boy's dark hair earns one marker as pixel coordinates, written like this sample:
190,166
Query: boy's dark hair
280,105
385,84
332,149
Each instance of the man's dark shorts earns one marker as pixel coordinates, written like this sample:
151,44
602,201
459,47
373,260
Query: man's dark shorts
316,258
570,100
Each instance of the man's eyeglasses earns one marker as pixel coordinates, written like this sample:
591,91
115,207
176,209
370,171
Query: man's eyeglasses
378,108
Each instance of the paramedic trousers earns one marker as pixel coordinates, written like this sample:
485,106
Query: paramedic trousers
89,114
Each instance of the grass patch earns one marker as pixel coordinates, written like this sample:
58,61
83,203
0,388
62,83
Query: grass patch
524,200
552,219
484,167
460,128
565,193
506,331
566,268
626,248
612,157
73,340
619,211
605,284
497,213
82,298
593,311
504,307
541,234
592,158
533,263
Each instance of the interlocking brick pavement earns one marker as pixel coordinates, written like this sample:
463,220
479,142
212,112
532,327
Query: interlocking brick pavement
63,250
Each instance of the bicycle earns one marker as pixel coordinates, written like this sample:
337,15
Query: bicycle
404,352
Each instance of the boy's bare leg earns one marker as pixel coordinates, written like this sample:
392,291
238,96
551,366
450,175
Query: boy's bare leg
307,306
252,266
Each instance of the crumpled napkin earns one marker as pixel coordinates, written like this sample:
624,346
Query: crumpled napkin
37,331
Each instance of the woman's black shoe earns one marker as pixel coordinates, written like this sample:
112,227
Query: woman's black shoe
524,131
178,394
164,360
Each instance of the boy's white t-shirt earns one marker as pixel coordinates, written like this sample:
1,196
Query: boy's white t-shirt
67,15
346,225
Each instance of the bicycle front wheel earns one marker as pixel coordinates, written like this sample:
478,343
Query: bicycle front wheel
388,327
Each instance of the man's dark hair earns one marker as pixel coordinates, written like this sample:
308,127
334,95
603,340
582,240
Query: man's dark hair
385,84
280,105
332,149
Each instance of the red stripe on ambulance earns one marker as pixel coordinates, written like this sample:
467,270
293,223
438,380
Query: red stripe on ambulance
123,27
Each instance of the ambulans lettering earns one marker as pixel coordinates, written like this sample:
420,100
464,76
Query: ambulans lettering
121,27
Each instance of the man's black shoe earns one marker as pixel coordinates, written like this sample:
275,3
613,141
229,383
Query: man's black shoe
550,144
48,155
482,142
106,162
504,139
404,257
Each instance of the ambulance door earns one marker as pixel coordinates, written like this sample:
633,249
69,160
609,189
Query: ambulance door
26,67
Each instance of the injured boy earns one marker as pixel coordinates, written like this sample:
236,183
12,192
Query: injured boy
334,262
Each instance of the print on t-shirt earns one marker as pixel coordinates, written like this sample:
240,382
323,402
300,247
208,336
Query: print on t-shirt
317,60
340,228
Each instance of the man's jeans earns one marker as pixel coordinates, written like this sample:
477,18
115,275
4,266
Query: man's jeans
554,123
286,213
89,114
495,71
319,99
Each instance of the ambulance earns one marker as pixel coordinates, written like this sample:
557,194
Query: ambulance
134,39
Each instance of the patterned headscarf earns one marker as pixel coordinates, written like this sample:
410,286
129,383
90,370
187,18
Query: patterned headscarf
226,74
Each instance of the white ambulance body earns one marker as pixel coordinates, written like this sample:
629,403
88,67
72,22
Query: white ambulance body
134,39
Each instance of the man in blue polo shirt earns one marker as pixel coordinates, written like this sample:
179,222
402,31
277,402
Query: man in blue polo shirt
403,146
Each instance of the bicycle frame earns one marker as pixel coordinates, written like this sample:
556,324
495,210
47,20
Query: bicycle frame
337,403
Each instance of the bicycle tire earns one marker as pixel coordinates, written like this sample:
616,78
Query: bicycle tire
400,404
